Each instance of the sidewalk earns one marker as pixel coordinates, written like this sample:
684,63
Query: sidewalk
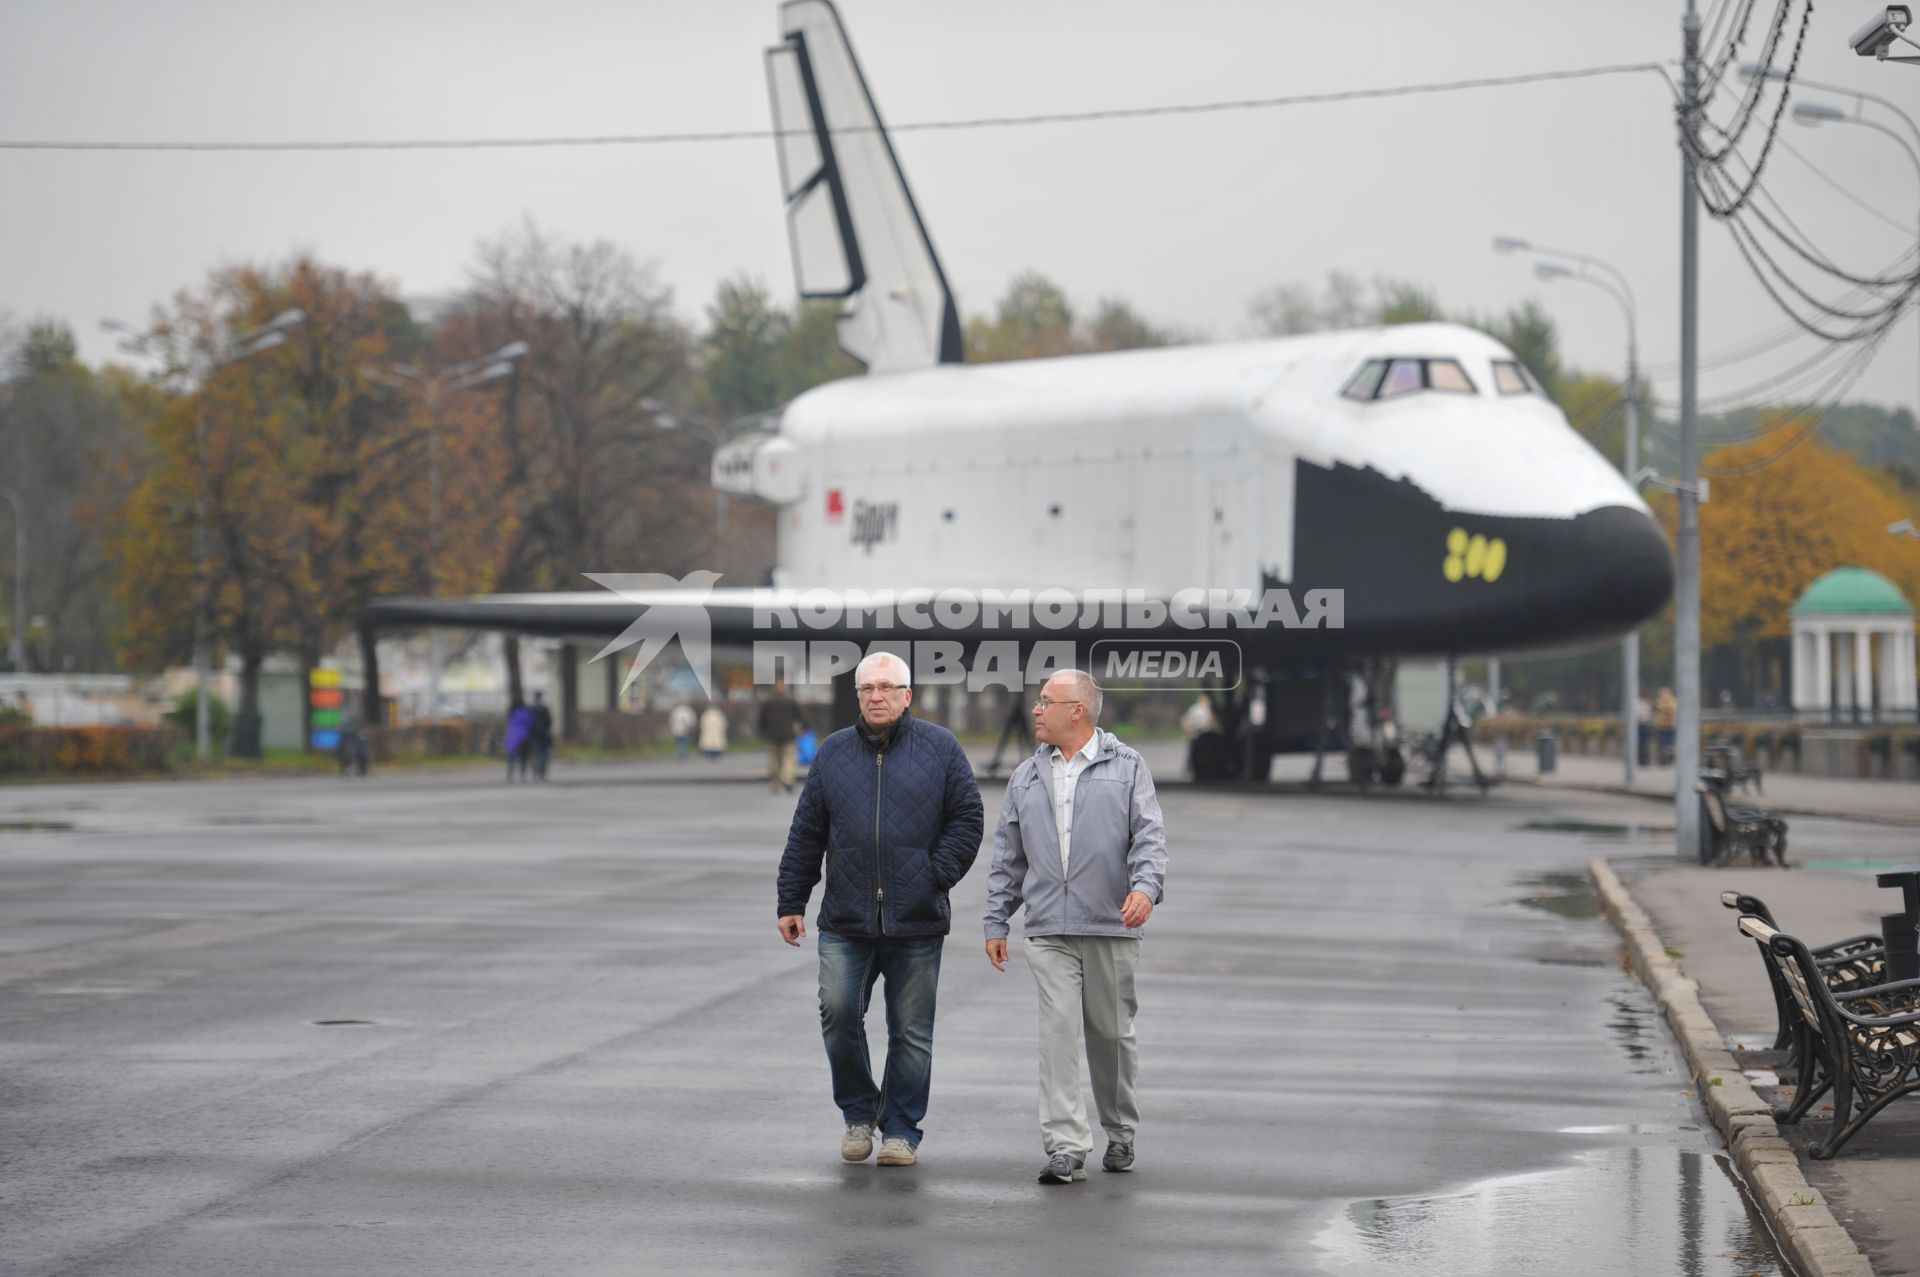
1895,802
1873,1187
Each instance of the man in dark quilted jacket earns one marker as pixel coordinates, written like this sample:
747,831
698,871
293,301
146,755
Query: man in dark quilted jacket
892,815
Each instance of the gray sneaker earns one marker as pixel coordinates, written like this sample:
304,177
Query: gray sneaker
1063,1168
857,1144
896,1151
1119,1157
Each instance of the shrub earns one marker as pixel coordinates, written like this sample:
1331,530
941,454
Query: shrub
219,718
85,751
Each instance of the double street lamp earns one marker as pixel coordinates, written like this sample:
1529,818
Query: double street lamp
1555,264
431,385
184,362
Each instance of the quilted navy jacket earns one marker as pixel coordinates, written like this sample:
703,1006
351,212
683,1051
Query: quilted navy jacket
893,828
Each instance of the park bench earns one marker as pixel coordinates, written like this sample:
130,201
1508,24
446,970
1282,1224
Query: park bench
1740,773
1731,830
1853,963
1863,1045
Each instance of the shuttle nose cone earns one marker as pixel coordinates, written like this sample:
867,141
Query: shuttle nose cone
1632,564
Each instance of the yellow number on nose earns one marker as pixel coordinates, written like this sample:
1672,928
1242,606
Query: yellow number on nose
1481,557
1455,566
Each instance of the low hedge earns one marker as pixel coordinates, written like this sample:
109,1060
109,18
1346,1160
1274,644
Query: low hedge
87,751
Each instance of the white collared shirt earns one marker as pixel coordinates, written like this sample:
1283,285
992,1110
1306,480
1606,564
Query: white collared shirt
1065,772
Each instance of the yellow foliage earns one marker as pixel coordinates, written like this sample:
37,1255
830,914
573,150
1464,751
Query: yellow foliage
1766,536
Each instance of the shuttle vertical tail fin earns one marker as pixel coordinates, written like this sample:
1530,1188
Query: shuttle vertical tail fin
856,234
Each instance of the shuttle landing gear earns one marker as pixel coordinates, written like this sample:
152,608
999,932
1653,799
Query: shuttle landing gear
1457,729
1318,713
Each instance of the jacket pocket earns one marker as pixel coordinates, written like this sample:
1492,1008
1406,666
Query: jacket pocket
914,891
846,894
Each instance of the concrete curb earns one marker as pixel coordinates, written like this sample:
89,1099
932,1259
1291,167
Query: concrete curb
1802,1225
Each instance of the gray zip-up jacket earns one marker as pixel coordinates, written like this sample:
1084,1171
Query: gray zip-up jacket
1119,846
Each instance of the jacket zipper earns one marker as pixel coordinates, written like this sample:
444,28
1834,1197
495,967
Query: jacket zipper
879,880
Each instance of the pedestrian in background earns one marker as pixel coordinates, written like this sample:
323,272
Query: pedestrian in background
542,739
896,800
519,738
780,727
1081,810
713,732
680,724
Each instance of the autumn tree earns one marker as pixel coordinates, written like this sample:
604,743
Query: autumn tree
755,356
596,472
1035,320
303,470
1770,529
64,436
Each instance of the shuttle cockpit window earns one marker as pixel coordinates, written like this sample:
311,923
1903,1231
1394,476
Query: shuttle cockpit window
1403,378
1387,378
1447,374
1511,378
1366,382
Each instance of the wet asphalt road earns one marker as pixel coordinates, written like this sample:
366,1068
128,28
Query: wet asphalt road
1376,1036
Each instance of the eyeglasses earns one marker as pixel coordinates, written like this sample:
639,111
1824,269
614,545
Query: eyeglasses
1043,704
884,689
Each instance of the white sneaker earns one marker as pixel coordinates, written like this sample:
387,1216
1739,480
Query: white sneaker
897,1152
857,1144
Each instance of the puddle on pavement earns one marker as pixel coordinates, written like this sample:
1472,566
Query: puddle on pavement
1638,1211
1567,895
1601,832
34,826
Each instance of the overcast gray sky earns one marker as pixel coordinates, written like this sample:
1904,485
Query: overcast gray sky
1187,217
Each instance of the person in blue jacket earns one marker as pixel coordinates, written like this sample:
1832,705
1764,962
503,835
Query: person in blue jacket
891,814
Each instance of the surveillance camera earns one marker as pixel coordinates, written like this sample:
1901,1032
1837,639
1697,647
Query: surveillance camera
1876,37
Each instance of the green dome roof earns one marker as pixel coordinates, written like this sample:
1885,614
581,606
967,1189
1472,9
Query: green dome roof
1852,590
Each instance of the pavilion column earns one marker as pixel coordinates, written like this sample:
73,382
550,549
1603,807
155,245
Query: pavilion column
1804,643
1903,664
1863,671
1822,671
1887,676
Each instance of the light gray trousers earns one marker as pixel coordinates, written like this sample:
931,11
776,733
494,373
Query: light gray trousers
1086,999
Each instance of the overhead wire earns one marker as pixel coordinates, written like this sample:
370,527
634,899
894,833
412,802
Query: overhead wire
921,126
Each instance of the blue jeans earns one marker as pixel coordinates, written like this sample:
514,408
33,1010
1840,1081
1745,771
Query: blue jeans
849,966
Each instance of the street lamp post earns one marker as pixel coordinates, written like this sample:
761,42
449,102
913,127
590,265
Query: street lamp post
266,337
18,648
470,372
1552,267
1813,114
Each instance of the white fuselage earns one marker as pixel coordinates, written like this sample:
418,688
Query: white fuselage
1155,470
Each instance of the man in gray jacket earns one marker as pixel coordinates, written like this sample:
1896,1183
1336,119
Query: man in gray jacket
1082,844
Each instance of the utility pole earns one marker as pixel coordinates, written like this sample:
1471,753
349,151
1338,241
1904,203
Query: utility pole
1630,646
1686,604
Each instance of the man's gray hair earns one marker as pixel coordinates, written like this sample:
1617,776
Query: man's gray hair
900,670
1085,690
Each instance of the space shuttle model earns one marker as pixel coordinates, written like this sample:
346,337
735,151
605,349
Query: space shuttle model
1414,473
